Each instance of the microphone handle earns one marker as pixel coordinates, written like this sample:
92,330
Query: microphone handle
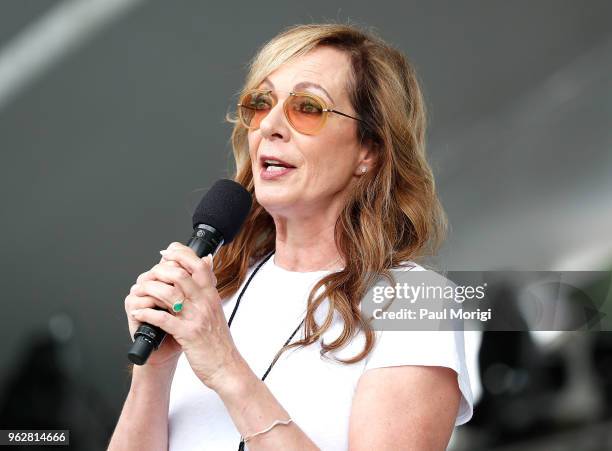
148,338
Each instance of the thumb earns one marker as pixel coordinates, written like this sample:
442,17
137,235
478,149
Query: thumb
209,259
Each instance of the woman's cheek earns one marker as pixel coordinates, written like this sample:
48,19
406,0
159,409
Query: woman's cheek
253,143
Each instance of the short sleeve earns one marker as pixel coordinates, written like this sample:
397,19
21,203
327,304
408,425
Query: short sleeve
429,348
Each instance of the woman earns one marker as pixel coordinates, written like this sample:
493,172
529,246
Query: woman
330,140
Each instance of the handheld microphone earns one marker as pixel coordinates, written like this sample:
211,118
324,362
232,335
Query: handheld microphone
216,221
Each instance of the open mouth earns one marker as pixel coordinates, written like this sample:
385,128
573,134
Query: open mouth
273,168
271,165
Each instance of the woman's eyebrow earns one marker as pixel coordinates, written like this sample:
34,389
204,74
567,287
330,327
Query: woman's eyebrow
309,84
302,85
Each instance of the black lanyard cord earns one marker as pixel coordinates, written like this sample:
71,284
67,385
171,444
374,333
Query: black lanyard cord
246,285
229,324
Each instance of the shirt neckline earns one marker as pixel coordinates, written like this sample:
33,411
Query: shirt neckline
282,270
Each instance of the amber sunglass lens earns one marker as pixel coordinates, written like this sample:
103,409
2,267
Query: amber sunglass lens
305,113
254,106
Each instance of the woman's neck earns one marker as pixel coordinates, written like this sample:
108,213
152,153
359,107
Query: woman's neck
306,245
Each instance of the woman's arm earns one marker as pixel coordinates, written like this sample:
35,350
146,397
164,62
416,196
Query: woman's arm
404,407
253,408
202,331
143,423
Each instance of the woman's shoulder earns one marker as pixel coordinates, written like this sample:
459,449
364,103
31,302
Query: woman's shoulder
424,347
409,265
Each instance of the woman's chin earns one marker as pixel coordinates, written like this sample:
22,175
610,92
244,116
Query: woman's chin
274,203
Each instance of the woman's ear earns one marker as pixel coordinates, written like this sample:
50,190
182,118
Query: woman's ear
368,157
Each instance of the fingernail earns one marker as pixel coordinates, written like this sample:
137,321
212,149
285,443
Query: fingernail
164,252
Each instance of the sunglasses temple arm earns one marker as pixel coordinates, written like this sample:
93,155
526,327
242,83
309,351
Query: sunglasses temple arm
346,115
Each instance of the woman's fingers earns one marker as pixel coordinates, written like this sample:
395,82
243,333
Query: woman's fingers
148,275
164,320
177,276
183,255
144,276
134,301
174,276
201,269
166,295
201,329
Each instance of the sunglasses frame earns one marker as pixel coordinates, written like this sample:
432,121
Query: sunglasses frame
326,109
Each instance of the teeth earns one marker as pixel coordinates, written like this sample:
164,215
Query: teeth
272,161
274,168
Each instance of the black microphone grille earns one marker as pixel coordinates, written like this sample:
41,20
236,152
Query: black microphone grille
225,207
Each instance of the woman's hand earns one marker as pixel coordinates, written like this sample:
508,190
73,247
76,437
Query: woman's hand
168,353
200,328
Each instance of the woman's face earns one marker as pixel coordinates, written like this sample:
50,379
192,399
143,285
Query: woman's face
325,163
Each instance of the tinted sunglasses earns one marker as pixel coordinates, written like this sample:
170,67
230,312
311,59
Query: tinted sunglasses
307,113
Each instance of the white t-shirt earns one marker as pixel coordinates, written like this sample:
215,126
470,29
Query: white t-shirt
316,392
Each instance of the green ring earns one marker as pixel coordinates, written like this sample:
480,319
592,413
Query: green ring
178,306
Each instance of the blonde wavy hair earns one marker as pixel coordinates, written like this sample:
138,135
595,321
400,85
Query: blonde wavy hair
394,214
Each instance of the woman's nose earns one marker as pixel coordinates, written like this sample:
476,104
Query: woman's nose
275,123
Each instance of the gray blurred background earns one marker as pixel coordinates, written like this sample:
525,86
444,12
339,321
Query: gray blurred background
112,126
